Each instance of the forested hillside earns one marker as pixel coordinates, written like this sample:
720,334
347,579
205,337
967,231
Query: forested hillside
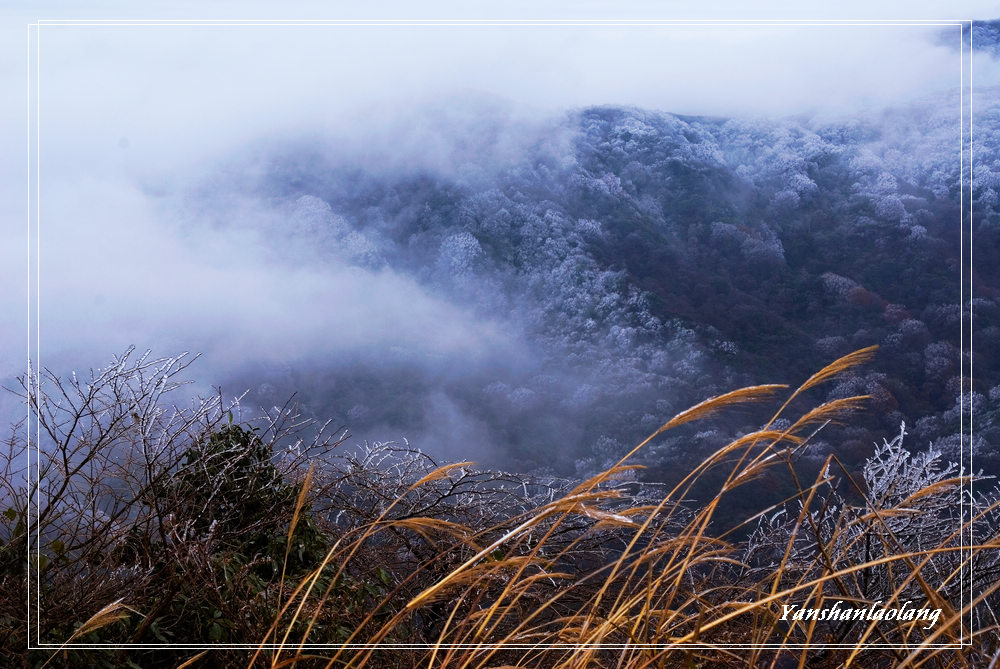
633,261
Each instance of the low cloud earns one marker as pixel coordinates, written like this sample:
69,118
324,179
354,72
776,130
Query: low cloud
120,274
153,232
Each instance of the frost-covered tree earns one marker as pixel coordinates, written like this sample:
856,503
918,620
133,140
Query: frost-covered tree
916,512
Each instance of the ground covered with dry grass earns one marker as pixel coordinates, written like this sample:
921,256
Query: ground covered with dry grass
155,536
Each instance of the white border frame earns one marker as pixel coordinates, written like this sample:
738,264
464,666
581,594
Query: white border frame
34,273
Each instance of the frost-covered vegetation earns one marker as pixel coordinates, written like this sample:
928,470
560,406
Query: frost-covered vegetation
188,528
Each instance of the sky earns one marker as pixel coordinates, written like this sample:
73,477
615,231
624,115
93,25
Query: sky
130,115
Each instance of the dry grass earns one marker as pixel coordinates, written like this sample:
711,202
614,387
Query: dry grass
663,591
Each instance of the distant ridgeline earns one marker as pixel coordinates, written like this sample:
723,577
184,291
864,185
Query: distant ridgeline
647,260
